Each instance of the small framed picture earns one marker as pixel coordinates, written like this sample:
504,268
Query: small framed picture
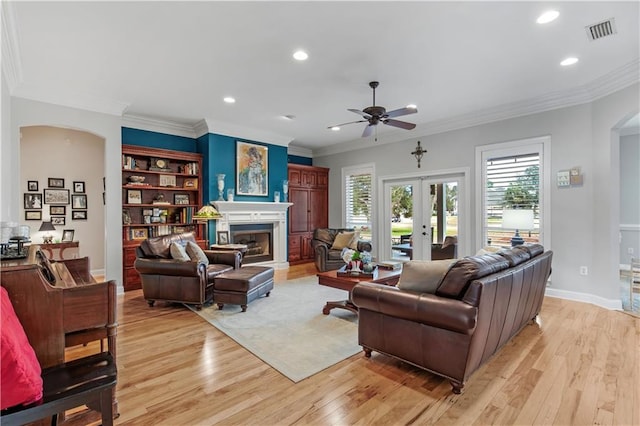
58,210
79,201
56,183
58,220
181,199
32,185
56,196
32,201
166,180
67,235
139,234
223,237
188,183
33,215
78,187
134,196
78,215
147,212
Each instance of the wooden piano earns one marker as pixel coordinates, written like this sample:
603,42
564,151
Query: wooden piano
55,317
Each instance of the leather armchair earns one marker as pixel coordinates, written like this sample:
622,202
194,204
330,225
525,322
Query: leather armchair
164,278
325,258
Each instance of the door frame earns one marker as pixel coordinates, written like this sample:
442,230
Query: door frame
383,245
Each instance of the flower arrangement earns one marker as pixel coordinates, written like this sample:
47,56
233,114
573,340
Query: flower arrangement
355,259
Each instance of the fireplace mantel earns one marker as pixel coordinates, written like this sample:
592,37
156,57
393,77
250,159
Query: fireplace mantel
241,212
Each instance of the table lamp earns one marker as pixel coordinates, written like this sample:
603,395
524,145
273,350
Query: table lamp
520,219
46,227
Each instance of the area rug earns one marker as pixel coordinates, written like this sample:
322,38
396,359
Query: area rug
288,331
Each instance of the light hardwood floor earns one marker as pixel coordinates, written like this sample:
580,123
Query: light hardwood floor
578,365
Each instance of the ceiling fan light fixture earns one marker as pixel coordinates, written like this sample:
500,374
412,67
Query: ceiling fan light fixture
335,128
412,106
229,100
300,55
548,16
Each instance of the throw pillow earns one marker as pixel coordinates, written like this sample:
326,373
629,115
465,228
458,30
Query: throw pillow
343,239
424,276
196,254
488,250
179,252
20,378
353,245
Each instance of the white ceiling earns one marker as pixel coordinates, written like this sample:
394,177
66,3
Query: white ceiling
461,63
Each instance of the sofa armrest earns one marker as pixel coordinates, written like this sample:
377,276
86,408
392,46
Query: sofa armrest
225,257
171,267
428,309
320,245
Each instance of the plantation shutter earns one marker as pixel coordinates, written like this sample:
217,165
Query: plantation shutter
512,182
358,191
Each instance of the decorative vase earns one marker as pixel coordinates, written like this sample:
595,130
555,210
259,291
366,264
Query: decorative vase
354,265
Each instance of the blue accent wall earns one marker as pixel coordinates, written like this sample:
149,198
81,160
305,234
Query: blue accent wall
296,159
157,140
218,156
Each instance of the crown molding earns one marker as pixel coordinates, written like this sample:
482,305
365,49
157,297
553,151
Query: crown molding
72,100
299,151
11,64
160,126
605,85
243,132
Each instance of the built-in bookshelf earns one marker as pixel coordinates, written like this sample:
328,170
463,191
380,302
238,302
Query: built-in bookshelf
161,192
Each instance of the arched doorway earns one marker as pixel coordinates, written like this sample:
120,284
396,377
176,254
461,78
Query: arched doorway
70,163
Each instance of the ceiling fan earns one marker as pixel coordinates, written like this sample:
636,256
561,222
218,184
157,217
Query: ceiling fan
377,114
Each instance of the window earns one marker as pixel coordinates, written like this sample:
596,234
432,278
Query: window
358,190
512,189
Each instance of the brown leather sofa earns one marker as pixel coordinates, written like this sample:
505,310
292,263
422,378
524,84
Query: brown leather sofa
164,278
325,258
480,304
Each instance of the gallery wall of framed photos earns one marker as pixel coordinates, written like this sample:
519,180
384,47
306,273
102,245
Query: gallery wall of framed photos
55,200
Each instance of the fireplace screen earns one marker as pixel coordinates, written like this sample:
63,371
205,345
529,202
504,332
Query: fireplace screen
258,239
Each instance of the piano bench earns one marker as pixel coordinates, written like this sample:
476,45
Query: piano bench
85,381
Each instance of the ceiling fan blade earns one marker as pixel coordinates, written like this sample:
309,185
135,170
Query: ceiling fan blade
398,123
357,111
368,130
401,111
350,122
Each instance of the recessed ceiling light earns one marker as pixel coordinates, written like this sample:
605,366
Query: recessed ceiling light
300,55
335,128
412,106
229,100
569,61
547,17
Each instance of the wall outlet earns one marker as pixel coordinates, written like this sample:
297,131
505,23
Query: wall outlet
584,270
630,250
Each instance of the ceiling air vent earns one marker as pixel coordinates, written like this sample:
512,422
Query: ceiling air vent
601,29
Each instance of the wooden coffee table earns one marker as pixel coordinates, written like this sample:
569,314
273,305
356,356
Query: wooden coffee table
331,279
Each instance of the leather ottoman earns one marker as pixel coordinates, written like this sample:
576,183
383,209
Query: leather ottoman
243,285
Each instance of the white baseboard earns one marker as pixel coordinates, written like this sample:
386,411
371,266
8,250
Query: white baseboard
611,304
95,272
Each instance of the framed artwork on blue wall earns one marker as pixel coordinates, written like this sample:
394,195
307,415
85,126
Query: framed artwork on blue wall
252,169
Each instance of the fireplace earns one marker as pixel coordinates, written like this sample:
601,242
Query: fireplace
258,213
258,239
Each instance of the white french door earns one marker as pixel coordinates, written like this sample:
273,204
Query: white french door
426,208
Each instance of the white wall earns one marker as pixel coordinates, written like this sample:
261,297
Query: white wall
629,197
584,226
8,190
26,113
73,156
